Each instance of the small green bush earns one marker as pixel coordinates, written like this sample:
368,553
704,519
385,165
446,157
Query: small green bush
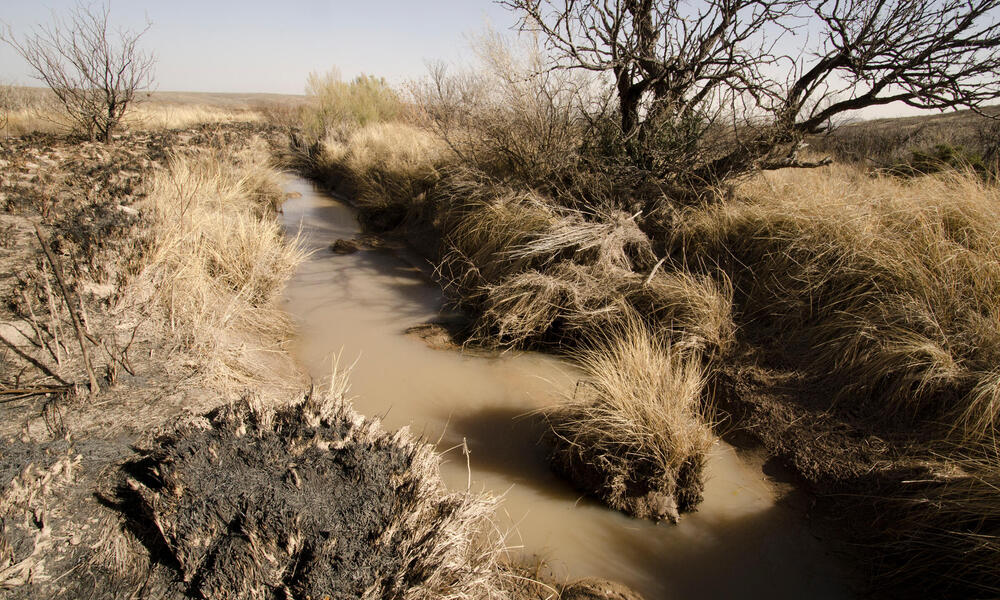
946,156
336,104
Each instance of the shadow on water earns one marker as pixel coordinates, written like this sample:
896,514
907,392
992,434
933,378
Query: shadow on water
742,543
762,552
507,441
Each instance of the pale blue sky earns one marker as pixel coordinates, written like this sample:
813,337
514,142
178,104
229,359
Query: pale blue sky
270,46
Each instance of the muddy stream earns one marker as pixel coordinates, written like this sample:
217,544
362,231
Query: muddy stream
741,543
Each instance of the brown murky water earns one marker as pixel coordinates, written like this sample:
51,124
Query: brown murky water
740,544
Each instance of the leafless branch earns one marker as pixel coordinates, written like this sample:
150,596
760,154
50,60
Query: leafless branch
95,73
714,67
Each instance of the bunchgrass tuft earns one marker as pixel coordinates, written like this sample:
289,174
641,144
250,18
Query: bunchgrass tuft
635,433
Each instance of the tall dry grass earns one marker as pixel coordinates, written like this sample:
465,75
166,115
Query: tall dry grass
482,226
216,259
636,432
386,163
536,273
893,284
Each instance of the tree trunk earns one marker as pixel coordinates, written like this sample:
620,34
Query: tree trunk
628,102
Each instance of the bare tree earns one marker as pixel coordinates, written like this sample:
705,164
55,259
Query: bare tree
94,72
925,53
718,62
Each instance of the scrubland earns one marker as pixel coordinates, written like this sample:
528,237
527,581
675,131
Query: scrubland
26,110
845,318
148,459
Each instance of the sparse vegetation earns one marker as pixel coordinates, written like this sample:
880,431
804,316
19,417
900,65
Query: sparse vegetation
620,192
94,71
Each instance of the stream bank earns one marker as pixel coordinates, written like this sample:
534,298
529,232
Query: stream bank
743,541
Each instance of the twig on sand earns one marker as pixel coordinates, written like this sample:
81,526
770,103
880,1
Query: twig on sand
20,393
35,390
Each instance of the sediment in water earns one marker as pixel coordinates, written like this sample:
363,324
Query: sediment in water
534,276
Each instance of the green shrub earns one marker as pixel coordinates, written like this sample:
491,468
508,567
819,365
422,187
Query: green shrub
337,104
945,156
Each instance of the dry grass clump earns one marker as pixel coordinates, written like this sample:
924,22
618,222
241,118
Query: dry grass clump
894,284
387,164
948,528
574,301
30,120
216,258
536,273
483,226
312,499
635,433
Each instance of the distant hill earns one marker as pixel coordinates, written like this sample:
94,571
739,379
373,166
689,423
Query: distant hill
891,141
217,99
